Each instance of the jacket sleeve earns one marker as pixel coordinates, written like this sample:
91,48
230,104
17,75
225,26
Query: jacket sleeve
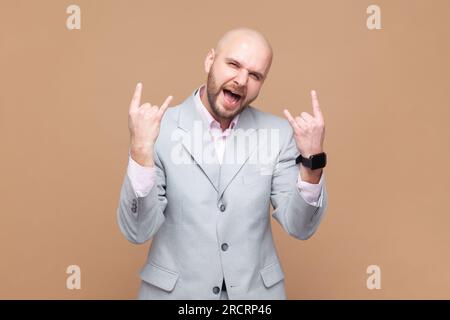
140,218
295,215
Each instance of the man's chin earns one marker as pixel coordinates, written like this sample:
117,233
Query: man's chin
228,113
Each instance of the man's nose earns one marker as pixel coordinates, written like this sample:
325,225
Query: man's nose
241,78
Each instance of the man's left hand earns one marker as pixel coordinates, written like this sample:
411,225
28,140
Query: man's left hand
309,132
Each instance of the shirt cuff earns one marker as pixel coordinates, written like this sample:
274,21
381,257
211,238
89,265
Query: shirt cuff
311,192
142,178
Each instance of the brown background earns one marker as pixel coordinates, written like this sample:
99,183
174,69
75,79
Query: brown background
64,99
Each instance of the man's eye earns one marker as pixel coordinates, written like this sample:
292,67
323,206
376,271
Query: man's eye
233,64
255,76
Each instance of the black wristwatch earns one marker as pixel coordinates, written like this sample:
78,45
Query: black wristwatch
316,161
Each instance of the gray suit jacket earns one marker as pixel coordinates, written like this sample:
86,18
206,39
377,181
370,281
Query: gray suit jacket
211,221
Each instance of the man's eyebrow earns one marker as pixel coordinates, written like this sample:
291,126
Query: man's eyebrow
260,75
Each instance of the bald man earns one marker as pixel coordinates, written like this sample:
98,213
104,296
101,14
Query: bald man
202,175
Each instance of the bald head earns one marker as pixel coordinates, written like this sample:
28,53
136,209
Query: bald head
243,34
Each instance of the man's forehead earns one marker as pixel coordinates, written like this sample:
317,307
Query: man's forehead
251,55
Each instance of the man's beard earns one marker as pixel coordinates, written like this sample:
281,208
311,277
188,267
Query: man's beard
213,90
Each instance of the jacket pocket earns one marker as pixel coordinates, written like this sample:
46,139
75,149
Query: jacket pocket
159,276
272,274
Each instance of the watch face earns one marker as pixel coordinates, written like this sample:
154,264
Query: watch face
318,161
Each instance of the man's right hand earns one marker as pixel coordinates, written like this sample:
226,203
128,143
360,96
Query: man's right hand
144,122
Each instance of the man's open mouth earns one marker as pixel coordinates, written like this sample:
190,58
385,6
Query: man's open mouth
231,98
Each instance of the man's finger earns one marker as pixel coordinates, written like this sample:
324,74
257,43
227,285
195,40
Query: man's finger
291,119
306,116
315,103
136,101
165,105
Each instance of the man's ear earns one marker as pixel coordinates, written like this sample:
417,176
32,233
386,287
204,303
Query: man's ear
209,60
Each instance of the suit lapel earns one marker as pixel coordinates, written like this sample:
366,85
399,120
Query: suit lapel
239,147
198,142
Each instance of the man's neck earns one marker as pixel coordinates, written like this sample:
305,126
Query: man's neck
224,123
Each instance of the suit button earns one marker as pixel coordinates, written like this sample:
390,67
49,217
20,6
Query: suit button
224,246
222,207
216,290
134,202
133,209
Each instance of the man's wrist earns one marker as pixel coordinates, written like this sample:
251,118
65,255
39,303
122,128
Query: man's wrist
143,155
309,175
313,162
